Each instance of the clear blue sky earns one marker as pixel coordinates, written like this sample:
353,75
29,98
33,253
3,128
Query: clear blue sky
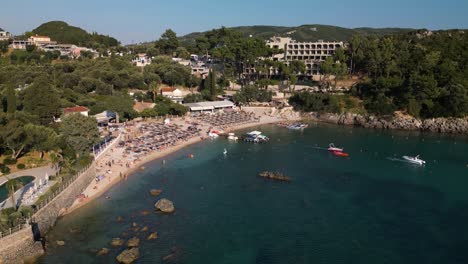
144,20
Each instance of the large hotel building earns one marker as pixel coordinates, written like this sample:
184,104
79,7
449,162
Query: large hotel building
312,53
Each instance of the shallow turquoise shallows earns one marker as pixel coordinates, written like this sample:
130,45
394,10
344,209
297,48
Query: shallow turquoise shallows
368,208
4,191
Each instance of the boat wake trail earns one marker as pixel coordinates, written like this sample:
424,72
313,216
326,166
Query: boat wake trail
398,160
320,148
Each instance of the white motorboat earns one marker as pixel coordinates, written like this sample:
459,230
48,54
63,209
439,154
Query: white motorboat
255,137
225,152
331,147
297,126
415,160
232,136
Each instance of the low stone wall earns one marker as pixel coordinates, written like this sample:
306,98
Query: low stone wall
21,245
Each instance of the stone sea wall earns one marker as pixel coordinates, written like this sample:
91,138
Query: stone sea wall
438,125
21,245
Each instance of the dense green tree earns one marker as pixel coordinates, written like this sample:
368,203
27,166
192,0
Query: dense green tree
4,46
80,132
183,53
251,93
49,104
11,100
14,137
193,98
168,43
165,106
41,138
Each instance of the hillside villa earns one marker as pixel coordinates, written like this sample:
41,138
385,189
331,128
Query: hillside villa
172,93
76,109
5,35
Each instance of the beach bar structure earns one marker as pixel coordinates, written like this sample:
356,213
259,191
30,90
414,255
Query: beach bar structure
209,106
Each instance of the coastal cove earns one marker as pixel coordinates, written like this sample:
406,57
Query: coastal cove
366,208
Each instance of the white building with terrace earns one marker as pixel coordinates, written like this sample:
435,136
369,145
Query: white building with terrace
312,53
5,35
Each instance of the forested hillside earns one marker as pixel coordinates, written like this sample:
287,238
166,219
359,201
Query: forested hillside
63,33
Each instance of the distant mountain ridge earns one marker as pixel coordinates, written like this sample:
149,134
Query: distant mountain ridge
312,32
66,34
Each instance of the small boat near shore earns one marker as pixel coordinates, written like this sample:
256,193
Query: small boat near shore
297,126
414,160
232,136
255,137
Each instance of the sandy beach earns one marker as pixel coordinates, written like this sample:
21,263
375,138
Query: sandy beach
115,168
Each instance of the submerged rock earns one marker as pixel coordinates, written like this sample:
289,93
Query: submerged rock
152,236
274,176
60,242
103,251
165,206
144,229
133,242
119,219
128,256
155,192
117,242
145,212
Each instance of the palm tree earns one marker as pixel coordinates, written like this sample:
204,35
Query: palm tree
155,89
13,185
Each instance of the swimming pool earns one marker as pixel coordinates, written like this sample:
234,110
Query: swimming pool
4,191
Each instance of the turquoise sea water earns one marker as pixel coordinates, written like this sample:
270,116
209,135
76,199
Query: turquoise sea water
363,209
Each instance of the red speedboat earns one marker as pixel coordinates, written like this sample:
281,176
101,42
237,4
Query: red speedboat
340,153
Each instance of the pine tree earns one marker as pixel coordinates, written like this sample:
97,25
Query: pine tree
11,100
212,84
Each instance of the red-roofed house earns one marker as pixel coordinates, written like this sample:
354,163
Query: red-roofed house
76,109
172,93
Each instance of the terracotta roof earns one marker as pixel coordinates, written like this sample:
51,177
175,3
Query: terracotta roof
168,89
75,109
140,106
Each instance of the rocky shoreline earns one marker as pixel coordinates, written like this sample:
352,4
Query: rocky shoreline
437,125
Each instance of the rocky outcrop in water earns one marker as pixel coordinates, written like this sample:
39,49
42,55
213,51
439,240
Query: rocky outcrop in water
128,256
133,242
155,192
152,236
103,251
165,206
117,242
440,125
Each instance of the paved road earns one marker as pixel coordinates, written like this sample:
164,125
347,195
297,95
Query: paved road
36,172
